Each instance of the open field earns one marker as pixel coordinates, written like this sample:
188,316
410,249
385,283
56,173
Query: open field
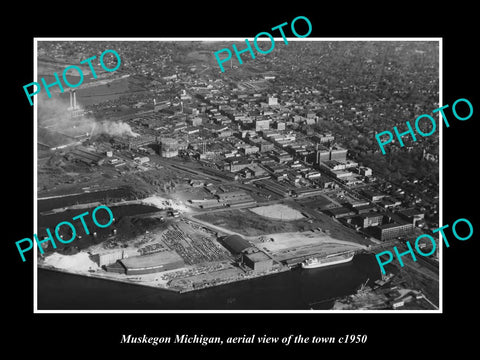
278,211
249,224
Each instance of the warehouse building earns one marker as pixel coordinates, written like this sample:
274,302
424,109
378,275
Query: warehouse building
392,230
136,142
339,212
368,219
257,261
170,147
110,257
152,263
248,255
88,157
235,244
232,195
262,145
412,215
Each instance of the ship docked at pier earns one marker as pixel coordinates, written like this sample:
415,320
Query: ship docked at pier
329,260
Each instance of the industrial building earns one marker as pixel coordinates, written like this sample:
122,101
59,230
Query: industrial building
237,163
362,209
49,139
262,144
333,153
88,157
389,203
54,134
147,264
74,110
235,244
235,198
169,147
249,149
107,258
301,193
373,195
136,142
339,212
257,261
392,230
248,255
412,215
368,220
281,156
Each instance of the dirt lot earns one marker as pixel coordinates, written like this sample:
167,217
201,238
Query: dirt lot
279,212
247,223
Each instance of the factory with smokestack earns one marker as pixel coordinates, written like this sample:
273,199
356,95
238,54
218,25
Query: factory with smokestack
64,126
74,111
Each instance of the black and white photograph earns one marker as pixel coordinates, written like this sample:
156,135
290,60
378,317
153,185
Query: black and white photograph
260,187
220,181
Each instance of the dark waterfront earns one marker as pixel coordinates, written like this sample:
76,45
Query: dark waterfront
128,221
104,196
292,290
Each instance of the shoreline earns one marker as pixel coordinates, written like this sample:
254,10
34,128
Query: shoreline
98,276
175,289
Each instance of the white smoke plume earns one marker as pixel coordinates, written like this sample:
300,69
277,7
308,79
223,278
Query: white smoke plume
113,128
54,114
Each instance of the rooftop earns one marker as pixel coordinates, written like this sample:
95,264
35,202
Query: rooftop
258,256
151,260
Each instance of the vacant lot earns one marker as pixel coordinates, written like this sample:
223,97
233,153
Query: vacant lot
278,211
247,223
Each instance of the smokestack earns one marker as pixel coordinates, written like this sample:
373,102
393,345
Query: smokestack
74,100
71,100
